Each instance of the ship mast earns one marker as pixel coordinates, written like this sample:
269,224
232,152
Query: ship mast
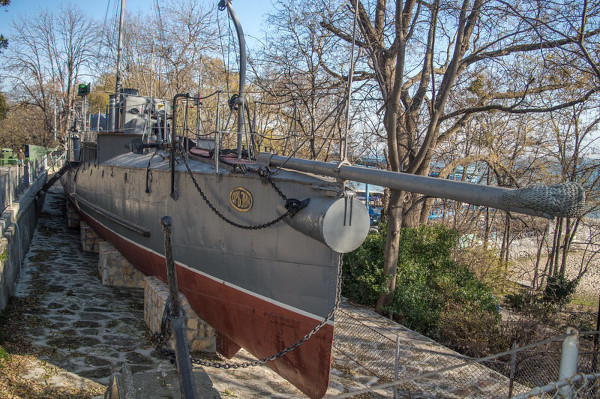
116,100
240,99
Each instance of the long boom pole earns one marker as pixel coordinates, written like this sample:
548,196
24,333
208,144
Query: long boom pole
562,200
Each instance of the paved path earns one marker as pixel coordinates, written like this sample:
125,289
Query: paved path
85,331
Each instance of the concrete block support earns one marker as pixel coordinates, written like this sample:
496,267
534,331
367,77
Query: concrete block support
200,336
90,240
72,216
115,270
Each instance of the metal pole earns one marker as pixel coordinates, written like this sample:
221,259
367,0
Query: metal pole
10,184
513,367
116,103
173,134
70,145
367,199
568,361
241,100
119,83
217,153
55,106
84,117
185,128
184,363
344,153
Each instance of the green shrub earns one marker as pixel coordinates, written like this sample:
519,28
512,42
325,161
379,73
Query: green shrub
362,273
428,279
486,266
559,290
522,300
472,330
4,356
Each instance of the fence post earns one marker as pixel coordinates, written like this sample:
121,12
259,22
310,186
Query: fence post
10,191
513,367
596,340
397,365
568,361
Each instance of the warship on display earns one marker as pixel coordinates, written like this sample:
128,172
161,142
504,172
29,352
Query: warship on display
257,239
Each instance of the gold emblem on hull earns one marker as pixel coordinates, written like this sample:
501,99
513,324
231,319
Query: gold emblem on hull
241,199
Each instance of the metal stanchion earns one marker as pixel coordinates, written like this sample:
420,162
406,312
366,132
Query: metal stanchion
184,363
568,362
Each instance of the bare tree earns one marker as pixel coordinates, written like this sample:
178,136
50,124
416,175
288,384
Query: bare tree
167,59
426,56
48,54
3,40
303,68
574,132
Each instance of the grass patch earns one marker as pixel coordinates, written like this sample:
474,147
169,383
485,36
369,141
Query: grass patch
13,385
4,357
586,301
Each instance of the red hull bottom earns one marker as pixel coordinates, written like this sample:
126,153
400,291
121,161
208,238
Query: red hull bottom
261,327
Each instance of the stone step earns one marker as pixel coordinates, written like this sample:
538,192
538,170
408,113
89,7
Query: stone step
154,384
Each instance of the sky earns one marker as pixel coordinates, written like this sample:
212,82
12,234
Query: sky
251,13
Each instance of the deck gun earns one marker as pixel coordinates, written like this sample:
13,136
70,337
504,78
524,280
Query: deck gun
559,200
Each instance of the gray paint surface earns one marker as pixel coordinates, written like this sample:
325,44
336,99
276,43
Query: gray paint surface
279,263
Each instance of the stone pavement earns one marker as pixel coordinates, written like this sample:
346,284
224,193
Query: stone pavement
88,330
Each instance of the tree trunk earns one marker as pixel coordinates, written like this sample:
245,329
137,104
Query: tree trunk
565,247
505,250
556,244
392,245
534,282
486,229
411,210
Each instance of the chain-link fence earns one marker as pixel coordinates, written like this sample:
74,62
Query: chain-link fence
420,368
581,386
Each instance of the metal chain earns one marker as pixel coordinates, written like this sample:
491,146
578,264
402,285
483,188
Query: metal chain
265,173
164,337
292,205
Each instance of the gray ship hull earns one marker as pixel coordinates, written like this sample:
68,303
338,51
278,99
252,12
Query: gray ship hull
261,289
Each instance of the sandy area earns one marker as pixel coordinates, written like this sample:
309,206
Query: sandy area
579,260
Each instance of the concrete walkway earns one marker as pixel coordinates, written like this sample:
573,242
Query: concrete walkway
85,331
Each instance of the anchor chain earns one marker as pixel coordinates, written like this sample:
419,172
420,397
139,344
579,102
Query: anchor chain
292,205
163,337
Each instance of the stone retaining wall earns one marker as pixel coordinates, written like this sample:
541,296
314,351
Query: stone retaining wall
17,225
